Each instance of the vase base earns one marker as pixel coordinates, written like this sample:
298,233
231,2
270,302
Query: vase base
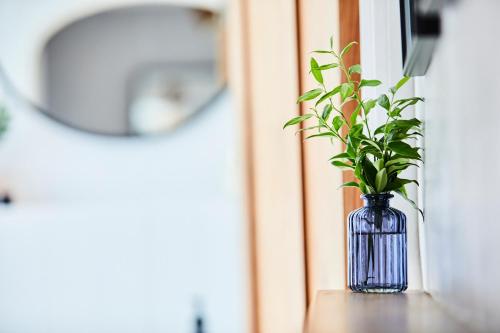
378,289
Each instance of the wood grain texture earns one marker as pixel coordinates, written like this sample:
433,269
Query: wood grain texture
324,212
239,79
347,312
349,31
276,180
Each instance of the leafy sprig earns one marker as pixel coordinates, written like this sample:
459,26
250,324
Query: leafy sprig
377,157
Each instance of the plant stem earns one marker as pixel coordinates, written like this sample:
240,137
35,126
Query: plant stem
328,126
386,122
335,108
356,94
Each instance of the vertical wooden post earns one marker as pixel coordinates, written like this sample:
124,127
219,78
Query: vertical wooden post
269,88
324,223
239,78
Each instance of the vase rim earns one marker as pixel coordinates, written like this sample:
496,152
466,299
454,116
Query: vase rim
386,195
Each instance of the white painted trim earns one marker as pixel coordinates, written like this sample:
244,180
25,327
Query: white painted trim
381,59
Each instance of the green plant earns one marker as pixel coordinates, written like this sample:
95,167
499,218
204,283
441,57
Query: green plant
377,157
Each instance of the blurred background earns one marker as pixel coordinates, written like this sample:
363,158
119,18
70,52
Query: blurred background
121,161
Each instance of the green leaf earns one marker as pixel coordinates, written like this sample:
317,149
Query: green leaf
397,183
326,111
350,149
331,42
399,167
368,105
370,189
371,150
354,69
342,164
398,134
347,48
379,164
358,170
403,106
297,120
356,131
362,188
346,90
349,184
402,192
404,124
399,84
384,102
369,171
322,51
396,161
321,134
329,94
355,114
411,99
339,156
395,113
380,129
396,168
404,149
381,180
369,83
337,122
328,66
316,72
311,94
307,129
372,143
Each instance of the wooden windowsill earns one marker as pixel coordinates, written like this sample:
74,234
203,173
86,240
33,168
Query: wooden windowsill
346,312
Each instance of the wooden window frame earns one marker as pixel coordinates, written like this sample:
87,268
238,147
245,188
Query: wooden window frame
295,212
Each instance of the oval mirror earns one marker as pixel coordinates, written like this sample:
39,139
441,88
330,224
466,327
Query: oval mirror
128,71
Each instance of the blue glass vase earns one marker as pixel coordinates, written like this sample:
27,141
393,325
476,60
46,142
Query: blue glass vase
377,259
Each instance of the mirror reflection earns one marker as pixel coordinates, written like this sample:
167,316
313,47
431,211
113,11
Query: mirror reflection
135,70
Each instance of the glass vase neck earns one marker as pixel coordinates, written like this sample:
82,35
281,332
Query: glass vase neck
377,200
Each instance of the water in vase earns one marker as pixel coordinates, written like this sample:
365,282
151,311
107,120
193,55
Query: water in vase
377,256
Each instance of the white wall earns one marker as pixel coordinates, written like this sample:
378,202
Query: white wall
116,235
462,120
